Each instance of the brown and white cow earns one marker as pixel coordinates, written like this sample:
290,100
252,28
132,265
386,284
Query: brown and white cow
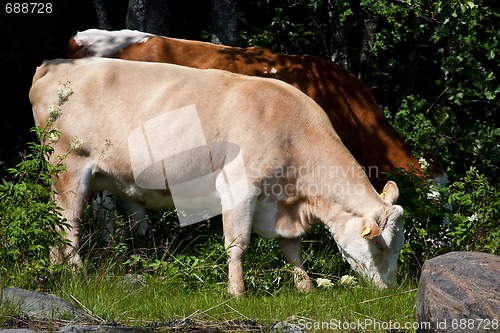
347,101
272,160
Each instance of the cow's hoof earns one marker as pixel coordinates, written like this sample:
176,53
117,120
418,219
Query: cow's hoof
236,291
305,286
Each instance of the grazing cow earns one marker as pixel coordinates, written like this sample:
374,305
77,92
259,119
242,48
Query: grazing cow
346,100
259,150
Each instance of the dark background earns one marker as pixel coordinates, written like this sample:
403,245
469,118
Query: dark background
28,39
437,58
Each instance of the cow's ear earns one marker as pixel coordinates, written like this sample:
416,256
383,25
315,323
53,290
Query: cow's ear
370,230
390,193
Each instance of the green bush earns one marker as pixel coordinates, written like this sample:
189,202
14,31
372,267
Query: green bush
30,220
474,223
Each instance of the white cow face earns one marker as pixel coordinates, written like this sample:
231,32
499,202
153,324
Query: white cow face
371,244
373,253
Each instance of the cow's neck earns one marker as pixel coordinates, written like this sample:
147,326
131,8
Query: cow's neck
336,186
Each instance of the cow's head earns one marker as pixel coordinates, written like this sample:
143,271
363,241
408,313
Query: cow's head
371,244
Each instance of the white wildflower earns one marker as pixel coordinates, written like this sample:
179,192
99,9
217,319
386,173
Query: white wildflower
423,163
324,283
347,280
54,136
64,92
76,143
55,112
473,217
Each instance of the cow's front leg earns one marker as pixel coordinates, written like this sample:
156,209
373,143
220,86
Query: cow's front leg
237,230
291,249
236,250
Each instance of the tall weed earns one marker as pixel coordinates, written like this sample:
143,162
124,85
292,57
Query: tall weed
30,220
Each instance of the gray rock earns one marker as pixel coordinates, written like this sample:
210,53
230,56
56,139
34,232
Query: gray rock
133,279
16,330
284,327
124,329
100,329
459,292
41,305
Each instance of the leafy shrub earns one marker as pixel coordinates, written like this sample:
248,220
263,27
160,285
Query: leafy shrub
474,223
29,215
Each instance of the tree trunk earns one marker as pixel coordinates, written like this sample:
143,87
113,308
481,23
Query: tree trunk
136,15
338,43
157,19
371,25
224,21
148,16
102,15
412,62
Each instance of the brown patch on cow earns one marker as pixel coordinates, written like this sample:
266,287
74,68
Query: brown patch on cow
75,50
347,101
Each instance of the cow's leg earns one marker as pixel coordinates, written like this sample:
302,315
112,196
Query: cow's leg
136,214
237,229
103,206
72,188
291,249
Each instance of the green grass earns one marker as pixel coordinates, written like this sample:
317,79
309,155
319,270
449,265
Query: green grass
174,284
160,299
183,277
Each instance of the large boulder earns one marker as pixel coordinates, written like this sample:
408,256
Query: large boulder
41,305
459,292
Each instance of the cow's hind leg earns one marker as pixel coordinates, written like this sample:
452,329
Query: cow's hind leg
136,214
291,249
72,188
103,211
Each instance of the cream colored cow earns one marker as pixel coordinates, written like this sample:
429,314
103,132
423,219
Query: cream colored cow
261,150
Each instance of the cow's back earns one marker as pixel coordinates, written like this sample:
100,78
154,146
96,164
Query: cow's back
112,98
